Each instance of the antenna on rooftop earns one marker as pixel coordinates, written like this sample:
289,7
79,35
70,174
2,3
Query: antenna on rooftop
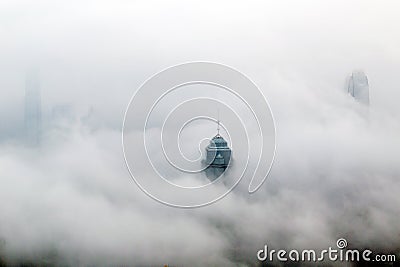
218,123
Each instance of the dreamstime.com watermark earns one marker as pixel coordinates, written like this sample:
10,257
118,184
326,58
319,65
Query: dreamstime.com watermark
339,253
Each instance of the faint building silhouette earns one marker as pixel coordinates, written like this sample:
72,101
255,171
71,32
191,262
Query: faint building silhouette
358,87
33,109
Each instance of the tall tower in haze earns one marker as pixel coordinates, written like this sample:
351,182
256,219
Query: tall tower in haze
358,87
218,156
33,109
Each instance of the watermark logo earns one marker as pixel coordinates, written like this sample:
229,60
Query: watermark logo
331,254
171,119
341,243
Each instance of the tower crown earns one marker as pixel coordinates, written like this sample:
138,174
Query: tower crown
218,141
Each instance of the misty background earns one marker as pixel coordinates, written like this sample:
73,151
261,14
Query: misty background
71,201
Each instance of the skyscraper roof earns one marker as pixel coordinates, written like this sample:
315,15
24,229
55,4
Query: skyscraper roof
218,141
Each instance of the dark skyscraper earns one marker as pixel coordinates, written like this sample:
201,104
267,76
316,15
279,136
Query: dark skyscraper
218,156
33,112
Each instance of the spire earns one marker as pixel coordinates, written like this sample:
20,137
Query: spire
218,124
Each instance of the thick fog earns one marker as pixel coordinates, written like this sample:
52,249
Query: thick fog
71,200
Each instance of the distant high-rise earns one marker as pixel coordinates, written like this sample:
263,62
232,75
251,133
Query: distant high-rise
358,87
218,156
33,109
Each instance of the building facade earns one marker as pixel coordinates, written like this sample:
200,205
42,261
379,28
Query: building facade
218,157
33,109
358,87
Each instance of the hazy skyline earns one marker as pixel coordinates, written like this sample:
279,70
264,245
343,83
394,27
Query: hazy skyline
336,172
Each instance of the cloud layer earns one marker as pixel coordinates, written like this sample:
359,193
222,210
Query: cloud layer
71,200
